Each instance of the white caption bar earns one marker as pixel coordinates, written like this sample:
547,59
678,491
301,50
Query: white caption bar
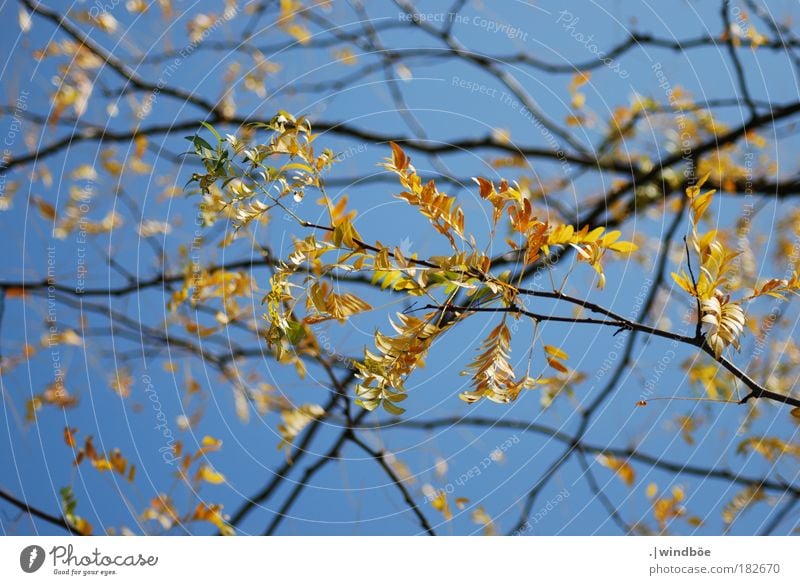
406,560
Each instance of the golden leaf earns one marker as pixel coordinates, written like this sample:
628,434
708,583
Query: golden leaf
210,475
479,516
345,56
213,513
556,352
768,447
492,374
440,504
619,466
295,420
69,436
46,210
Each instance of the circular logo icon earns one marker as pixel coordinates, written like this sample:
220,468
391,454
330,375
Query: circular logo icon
31,558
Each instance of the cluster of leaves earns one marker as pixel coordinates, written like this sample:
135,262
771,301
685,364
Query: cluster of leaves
440,502
724,318
665,508
491,373
252,189
112,461
668,507
248,186
69,505
161,508
295,420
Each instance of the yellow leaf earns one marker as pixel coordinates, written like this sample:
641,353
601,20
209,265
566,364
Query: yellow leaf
556,352
624,247
102,464
210,475
122,383
694,190
682,280
695,521
82,526
440,504
69,436
557,365
346,56
579,79
768,447
399,158
300,33
479,516
199,330
85,172
24,19
211,443
213,513
46,210
295,420
66,337
621,467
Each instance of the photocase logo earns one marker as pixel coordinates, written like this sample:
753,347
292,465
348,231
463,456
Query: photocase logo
31,558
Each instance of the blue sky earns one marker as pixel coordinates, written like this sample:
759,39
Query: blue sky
352,496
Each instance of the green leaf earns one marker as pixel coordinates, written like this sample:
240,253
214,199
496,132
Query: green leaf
367,404
296,332
392,408
213,131
199,143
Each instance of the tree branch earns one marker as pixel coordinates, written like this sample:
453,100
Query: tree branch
58,521
379,457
